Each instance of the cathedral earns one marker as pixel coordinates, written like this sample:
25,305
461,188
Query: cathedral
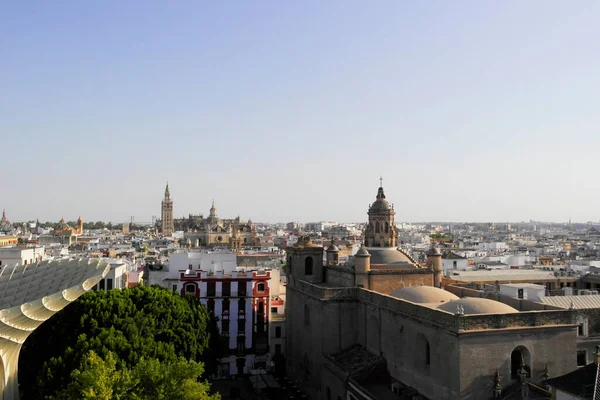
381,325
211,231
5,225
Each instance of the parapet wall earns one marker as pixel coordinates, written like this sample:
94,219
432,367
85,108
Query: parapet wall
451,323
519,304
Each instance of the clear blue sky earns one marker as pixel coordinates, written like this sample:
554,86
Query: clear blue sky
281,111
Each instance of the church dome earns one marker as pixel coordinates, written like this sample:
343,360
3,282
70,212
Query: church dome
424,294
388,256
477,305
380,204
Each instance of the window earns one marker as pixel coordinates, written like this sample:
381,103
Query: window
520,293
580,330
277,349
240,344
226,289
189,289
242,289
225,326
225,306
308,266
261,287
109,284
387,227
581,358
211,289
454,264
519,356
242,306
427,354
377,228
175,288
241,325
274,309
102,284
278,332
210,305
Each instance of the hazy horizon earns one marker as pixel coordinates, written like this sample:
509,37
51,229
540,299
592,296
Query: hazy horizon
471,111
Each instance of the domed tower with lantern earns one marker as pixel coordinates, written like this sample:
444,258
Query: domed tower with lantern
381,230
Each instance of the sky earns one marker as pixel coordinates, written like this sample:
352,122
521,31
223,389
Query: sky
291,111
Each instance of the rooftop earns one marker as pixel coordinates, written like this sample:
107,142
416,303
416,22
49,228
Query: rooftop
580,383
579,302
506,275
524,285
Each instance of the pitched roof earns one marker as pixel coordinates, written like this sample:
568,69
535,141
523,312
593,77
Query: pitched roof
452,256
579,302
580,382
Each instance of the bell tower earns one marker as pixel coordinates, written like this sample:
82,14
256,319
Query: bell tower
305,261
381,229
167,223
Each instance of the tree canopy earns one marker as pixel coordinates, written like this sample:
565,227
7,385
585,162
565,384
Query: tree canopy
100,379
137,326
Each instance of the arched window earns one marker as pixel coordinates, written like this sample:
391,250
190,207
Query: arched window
387,227
377,228
190,289
423,352
308,266
519,356
306,316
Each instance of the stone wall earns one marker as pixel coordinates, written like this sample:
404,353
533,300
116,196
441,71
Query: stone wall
339,276
461,361
482,353
328,328
386,283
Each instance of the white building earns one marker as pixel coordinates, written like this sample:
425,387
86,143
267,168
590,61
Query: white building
523,291
453,261
21,255
239,296
116,278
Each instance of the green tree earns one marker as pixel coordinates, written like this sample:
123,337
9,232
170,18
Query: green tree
134,324
104,379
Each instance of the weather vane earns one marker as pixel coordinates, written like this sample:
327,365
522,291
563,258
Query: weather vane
380,181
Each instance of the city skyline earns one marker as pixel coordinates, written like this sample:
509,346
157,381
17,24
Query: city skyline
471,111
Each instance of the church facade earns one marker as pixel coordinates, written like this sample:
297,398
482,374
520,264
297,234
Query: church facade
211,231
381,324
214,231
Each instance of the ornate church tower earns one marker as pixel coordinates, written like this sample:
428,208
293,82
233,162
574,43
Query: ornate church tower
381,230
167,223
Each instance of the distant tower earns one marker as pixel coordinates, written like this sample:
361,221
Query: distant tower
167,223
381,230
79,230
434,261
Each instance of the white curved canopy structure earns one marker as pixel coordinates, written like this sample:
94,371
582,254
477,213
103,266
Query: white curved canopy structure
29,295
